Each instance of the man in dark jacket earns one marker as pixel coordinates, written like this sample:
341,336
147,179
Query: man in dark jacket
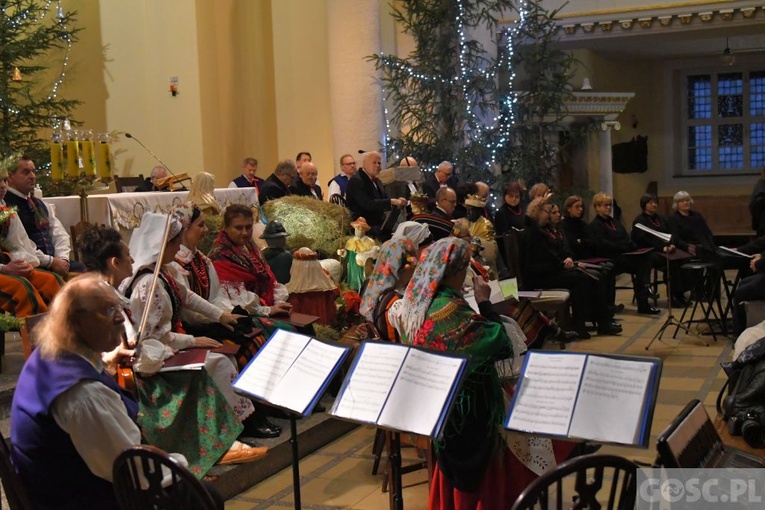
278,183
366,196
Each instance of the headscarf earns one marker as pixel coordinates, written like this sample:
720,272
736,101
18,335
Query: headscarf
393,255
446,256
415,232
146,241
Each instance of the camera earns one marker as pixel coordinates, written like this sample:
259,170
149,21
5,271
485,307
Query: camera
748,425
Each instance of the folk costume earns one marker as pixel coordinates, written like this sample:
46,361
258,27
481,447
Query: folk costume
163,324
357,250
475,468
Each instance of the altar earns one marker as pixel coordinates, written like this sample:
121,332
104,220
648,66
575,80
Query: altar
124,211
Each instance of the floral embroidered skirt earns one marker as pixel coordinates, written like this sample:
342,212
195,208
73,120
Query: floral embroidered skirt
186,413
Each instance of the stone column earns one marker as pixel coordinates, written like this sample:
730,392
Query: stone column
355,92
604,153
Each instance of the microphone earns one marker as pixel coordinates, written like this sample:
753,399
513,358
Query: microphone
128,135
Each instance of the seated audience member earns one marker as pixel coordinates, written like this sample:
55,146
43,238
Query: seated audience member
277,185
381,304
366,197
202,194
510,214
338,185
305,184
311,289
248,179
751,288
439,221
649,218
474,469
19,260
67,434
539,190
575,230
238,261
441,178
166,422
43,228
547,264
301,158
463,190
277,255
613,242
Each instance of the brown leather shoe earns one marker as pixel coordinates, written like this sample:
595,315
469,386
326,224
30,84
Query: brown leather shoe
239,453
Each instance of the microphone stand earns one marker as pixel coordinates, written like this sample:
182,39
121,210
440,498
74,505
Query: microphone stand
128,135
670,321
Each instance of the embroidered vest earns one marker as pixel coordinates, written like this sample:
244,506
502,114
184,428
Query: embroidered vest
40,233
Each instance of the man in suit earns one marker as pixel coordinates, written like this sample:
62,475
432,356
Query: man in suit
439,221
150,183
278,183
366,197
305,184
248,179
441,178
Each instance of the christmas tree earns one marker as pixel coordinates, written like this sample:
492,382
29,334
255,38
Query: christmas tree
32,33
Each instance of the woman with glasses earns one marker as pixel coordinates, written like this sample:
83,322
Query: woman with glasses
613,242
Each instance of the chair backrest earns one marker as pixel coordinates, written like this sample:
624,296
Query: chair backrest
76,232
128,184
14,489
591,473
138,473
26,332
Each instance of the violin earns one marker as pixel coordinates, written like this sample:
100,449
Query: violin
170,181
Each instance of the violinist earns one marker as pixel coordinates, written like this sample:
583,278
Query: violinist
160,180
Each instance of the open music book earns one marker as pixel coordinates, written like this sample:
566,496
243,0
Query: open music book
596,397
291,371
734,252
400,387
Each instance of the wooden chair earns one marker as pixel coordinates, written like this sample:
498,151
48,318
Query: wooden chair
76,231
26,332
128,184
15,492
617,477
138,474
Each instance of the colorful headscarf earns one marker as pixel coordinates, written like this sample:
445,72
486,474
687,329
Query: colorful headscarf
446,256
393,255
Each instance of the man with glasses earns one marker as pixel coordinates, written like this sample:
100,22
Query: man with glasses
443,177
339,183
440,220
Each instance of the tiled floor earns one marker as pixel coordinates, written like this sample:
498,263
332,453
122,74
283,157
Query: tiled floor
339,475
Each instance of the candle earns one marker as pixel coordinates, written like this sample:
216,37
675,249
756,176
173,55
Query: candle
72,155
88,158
104,163
56,157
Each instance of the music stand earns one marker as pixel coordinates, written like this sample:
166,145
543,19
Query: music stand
670,320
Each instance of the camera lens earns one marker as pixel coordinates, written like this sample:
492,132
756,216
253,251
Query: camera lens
753,433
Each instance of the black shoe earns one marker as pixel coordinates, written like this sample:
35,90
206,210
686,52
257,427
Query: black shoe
260,431
648,310
617,309
679,302
609,329
583,334
567,336
273,426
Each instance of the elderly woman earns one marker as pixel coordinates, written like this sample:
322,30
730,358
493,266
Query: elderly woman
164,419
67,433
238,261
510,215
613,242
547,264
475,468
689,229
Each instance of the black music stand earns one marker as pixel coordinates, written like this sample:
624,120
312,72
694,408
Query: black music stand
670,320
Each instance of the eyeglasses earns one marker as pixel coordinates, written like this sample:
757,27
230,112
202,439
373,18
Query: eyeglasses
451,201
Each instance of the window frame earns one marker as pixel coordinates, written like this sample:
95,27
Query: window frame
683,123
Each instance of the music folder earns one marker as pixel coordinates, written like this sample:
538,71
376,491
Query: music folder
598,397
400,387
291,371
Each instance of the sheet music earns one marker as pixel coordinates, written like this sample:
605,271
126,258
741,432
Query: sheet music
305,377
264,372
547,393
420,393
611,400
366,392
661,235
734,252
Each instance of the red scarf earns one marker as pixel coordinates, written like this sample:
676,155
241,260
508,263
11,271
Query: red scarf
235,265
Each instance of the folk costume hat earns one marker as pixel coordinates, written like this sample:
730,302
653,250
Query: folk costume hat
274,229
361,224
475,201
